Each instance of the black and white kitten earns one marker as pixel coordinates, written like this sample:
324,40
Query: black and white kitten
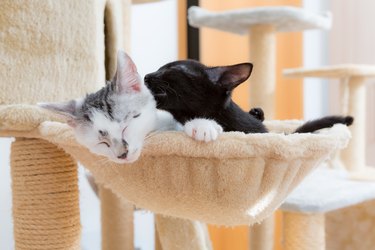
189,90
115,120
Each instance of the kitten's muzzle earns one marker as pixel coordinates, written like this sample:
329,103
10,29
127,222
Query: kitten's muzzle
147,78
154,85
123,156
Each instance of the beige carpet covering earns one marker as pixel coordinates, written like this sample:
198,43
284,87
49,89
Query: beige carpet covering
239,179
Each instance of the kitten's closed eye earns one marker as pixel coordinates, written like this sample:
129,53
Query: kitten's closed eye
105,143
136,115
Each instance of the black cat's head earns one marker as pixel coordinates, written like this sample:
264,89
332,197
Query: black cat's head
189,89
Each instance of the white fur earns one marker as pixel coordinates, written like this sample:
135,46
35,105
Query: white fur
125,133
203,129
134,134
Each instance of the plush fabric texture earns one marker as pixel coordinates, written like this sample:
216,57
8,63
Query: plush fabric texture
284,19
334,71
145,1
47,63
239,179
328,190
44,62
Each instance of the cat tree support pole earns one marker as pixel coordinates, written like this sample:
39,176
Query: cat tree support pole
353,97
262,54
304,231
354,155
175,233
262,94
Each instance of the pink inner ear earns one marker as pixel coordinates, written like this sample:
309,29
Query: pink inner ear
131,66
136,87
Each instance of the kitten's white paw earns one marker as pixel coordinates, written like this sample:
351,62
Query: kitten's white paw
203,129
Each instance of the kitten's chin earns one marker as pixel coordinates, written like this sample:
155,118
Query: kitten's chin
130,159
125,161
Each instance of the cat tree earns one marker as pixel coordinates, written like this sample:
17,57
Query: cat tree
300,208
261,24
220,183
235,187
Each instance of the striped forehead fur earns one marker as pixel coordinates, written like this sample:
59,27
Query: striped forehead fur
113,105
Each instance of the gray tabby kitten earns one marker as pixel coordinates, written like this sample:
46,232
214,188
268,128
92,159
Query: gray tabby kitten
115,120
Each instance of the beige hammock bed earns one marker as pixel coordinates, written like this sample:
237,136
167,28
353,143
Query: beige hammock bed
238,180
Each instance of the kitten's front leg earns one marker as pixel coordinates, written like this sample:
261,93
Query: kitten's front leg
165,121
203,129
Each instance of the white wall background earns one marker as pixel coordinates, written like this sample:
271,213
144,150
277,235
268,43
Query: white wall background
352,40
315,55
154,43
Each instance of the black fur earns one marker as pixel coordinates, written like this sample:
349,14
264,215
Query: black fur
257,113
325,122
189,89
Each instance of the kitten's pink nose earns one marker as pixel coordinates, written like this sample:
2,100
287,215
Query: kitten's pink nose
123,156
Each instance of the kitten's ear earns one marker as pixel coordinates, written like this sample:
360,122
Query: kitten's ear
66,109
127,78
230,77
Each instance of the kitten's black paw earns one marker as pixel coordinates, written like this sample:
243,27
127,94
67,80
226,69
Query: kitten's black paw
257,113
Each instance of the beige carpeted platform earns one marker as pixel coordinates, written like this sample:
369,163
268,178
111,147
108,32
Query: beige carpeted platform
239,179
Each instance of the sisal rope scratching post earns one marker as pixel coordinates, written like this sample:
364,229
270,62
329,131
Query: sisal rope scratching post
353,96
45,196
304,231
181,234
262,24
117,221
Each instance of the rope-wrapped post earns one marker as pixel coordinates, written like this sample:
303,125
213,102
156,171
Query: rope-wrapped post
304,231
117,221
45,196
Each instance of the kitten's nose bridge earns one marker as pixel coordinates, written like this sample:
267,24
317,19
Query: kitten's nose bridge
123,150
148,78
